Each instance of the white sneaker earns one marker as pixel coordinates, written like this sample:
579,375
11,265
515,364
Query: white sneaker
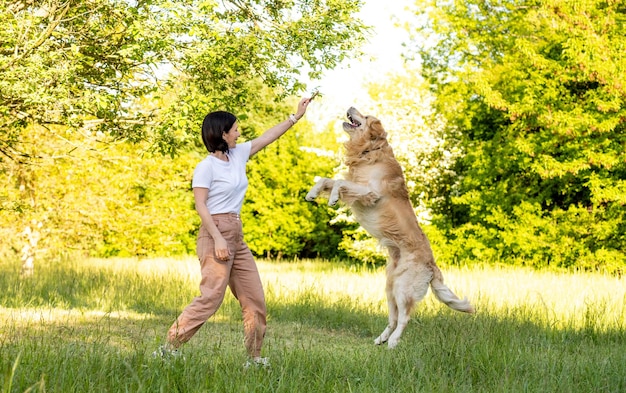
258,362
165,352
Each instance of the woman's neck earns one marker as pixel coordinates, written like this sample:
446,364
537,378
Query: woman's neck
220,155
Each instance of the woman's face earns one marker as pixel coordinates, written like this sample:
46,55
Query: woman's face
231,135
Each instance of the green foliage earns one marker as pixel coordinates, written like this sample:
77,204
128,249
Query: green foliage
101,199
534,97
79,64
148,70
104,199
278,220
80,79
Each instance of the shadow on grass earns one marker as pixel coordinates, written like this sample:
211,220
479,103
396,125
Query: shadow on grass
440,351
503,349
84,287
68,286
72,286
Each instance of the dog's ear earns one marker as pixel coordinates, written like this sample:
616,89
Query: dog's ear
376,130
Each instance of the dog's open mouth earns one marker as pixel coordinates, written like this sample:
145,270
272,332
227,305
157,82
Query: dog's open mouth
356,120
353,122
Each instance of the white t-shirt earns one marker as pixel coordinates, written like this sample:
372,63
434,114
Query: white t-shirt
226,180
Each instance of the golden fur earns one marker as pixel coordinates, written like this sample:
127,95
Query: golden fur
376,192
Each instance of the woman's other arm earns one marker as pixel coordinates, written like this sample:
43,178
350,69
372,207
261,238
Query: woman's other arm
200,196
278,130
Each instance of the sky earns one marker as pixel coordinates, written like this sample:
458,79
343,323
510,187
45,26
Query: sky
346,85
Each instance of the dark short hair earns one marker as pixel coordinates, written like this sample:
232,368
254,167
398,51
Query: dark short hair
214,125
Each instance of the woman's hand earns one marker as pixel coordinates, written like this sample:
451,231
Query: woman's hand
221,248
278,130
304,103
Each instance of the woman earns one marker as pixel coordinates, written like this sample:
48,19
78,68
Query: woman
219,186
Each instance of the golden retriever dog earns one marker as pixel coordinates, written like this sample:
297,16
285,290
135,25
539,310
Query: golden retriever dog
376,193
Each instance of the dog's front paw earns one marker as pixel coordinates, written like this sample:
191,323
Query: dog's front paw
378,340
333,198
310,197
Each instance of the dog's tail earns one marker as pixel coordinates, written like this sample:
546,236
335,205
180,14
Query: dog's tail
445,295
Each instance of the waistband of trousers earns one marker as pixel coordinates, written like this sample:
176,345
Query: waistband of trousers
233,215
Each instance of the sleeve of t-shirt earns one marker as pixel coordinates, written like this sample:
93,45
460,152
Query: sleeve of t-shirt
243,151
202,175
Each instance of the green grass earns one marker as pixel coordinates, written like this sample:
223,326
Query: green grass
91,326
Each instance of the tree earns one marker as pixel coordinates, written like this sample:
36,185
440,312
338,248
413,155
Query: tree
95,65
111,199
94,72
533,93
106,199
278,220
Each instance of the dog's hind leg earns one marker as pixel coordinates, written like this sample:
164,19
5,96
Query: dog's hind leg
393,320
392,306
409,289
404,313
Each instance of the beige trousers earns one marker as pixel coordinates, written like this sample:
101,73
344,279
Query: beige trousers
240,273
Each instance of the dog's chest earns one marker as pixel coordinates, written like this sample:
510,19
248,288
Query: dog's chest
371,175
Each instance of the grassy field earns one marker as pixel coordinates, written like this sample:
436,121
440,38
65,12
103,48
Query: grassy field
91,326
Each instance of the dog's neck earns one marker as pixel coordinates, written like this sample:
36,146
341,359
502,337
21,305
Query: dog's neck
364,152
